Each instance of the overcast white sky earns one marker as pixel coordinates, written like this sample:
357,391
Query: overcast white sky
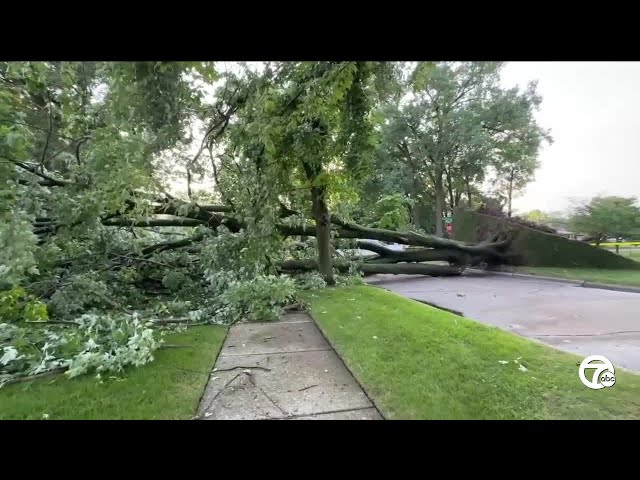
593,111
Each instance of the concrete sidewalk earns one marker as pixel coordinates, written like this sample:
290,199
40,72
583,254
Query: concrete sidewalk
282,370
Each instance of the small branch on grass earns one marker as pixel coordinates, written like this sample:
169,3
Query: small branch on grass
26,378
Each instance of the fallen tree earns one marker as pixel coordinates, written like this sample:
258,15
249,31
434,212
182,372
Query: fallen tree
178,213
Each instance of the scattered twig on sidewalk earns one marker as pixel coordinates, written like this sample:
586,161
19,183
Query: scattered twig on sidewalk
204,411
307,388
266,395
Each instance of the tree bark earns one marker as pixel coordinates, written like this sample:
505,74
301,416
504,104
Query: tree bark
509,194
387,255
440,201
452,201
457,198
417,214
323,233
291,266
468,185
350,230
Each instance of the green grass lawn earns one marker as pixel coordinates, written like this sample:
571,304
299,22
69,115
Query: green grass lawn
616,277
169,388
419,362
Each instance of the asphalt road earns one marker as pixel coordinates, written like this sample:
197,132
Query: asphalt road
584,321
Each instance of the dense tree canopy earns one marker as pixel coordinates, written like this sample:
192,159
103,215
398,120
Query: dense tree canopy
286,165
455,128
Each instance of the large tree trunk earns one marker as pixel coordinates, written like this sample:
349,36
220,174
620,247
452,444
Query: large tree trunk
417,212
440,203
509,195
452,200
418,215
468,185
291,266
387,255
457,198
323,233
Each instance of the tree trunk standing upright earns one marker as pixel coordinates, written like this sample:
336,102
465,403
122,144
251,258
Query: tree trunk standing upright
509,194
323,233
440,202
452,199
468,184
417,215
416,210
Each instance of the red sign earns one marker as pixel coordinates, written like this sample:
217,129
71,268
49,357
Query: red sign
449,228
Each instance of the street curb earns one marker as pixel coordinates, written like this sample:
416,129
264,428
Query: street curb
524,275
331,344
581,283
618,288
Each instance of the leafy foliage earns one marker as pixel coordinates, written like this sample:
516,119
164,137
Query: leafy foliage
604,217
96,343
457,128
97,229
16,304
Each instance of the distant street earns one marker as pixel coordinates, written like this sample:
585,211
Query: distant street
584,321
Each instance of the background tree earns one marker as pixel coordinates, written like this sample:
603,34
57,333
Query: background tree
455,123
605,217
513,173
537,216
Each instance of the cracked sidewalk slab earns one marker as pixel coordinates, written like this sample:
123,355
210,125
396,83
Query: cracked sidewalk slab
282,370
